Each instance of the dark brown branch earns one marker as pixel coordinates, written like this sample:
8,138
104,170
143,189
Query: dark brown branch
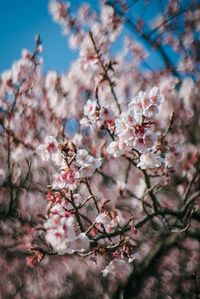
147,39
105,70
141,271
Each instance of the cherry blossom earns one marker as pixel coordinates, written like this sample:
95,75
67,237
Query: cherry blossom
48,149
99,164
150,160
86,163
66,179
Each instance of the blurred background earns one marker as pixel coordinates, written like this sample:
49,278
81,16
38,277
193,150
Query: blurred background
22,20
47,105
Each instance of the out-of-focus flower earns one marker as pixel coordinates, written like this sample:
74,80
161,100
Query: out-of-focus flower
81,243
62,237
103,218
48,149
150,160
90,109
86,163
116,266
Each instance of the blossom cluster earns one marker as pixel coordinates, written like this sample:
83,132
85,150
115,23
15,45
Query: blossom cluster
73,166
61,235
121,183
66,230
134,129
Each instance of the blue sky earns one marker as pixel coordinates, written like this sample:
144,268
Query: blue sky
21,20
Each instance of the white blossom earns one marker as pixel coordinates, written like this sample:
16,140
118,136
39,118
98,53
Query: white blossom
60,233
86,163
150,160
115,266
48,149
90,109
103,218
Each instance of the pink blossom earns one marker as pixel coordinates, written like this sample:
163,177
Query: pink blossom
66,179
